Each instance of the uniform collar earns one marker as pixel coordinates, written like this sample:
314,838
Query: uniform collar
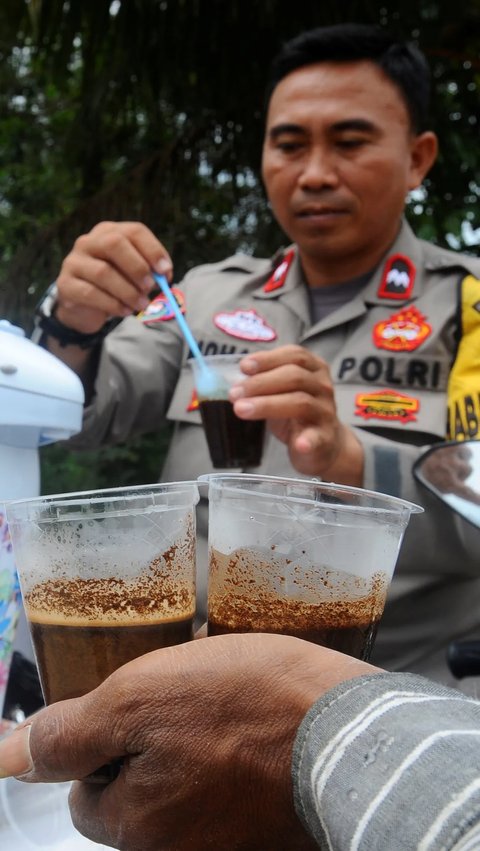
290,280
397,280
406,247
293,290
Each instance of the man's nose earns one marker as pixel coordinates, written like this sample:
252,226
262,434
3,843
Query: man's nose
319,171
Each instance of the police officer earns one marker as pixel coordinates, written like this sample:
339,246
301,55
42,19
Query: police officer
349,333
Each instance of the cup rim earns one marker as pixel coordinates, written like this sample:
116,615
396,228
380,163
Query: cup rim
234,357
98,494
389,502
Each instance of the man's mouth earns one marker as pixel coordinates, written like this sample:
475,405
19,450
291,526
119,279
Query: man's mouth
319,212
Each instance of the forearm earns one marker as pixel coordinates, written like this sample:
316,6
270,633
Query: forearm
385,761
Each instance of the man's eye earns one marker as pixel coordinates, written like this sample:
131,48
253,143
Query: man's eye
351,143
288,147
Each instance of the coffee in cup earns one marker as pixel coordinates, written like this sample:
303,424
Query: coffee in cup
232,442
106,576
301,558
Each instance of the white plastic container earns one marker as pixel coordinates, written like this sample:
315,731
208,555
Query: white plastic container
41,401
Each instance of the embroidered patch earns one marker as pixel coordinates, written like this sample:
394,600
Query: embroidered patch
402,332
246,325
193,404
159,310
386,405
278,278
398,277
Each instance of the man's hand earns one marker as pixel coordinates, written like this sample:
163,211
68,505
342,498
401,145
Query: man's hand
108,273
292,389
205,731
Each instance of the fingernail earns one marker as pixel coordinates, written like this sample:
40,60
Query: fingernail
249,365
243,406
15,757
236,392
142,303
148,283
164,266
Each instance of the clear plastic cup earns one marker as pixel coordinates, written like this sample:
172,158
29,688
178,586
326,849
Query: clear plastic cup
106,576
301,557
10,604
232,442
36,815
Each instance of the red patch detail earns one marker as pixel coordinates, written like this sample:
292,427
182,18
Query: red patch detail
278,277
387,405
398,277
159,309
193,404
245,325
402,332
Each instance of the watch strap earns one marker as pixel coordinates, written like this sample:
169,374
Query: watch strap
52,327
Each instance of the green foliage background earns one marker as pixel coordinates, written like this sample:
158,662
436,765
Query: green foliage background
153,110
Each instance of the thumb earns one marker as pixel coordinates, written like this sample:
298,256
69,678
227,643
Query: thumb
65,741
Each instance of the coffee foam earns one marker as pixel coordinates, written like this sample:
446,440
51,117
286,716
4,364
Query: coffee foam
150,599
249,590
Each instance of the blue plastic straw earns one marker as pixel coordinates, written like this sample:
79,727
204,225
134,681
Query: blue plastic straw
210,381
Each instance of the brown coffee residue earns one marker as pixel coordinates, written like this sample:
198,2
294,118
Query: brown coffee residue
151,597
242,595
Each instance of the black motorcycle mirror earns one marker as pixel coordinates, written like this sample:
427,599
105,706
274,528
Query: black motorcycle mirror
451,471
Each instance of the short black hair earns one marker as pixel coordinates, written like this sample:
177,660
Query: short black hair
402,62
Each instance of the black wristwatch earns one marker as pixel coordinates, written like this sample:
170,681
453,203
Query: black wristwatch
46,324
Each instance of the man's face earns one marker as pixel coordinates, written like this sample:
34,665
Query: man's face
339,158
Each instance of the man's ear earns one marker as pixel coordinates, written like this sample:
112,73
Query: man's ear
423,154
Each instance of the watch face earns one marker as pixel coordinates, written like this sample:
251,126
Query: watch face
45,305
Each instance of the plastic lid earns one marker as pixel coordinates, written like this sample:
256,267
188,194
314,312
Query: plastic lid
27,367
41,399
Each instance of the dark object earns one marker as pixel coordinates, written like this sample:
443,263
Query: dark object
46,323
24,694
232,442
106,774
66,336
463,658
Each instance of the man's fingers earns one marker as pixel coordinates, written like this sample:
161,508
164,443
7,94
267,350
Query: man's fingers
298,406
105,278
265,360
130,246
288,378
83,294
95,810
44,749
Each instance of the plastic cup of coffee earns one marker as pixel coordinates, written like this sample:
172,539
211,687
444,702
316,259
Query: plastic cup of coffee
232,442
106,576
302,558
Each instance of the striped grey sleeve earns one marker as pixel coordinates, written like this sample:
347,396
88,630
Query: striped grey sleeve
390,761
